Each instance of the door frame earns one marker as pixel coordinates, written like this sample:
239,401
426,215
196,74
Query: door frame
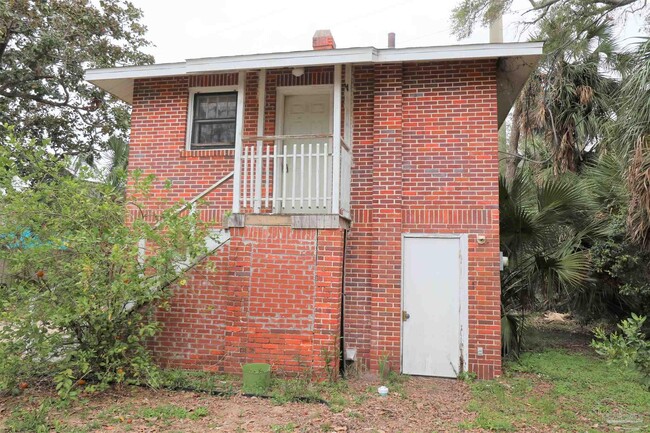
464,295
281,93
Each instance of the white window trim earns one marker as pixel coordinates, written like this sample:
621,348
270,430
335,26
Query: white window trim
190,111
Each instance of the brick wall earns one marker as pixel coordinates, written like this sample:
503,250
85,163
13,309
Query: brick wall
434,169
273,295
425,160
157,146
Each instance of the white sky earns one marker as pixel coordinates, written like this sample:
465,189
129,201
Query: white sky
201,28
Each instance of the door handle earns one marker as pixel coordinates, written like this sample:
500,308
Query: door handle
405,316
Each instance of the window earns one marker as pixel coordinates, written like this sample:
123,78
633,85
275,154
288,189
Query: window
214,120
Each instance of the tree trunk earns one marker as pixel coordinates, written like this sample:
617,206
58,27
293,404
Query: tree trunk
512,161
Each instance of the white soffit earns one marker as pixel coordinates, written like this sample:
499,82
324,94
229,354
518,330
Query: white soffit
119,81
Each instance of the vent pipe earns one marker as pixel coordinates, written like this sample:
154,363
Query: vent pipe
391,40
496,30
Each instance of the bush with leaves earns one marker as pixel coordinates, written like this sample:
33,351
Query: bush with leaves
80,302
630,346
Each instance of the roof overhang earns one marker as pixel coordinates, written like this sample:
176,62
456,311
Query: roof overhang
516,62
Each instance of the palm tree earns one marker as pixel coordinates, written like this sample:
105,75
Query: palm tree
111,166
546,226
118,161
632,134
568,102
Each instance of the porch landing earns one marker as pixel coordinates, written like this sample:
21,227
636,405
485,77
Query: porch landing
308,221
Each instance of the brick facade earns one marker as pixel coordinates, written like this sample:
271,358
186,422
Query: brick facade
425,161
271,294
425,137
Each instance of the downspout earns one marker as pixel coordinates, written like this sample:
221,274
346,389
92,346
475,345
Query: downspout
342,360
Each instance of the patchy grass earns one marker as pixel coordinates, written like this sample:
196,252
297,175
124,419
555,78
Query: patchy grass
202,381
170,411
559,389
289,427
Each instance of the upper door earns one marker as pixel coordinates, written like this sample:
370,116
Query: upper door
307,171
432,343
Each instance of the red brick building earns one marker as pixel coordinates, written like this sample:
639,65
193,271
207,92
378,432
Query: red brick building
357,193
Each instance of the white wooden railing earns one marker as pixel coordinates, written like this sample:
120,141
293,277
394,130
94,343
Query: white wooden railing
287,178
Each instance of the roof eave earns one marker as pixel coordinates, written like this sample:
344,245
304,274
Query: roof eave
119,81
512,75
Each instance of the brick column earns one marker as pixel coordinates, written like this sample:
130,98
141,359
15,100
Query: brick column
387,216
327,299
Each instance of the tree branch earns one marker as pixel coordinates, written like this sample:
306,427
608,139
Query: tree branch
537,5
8,84
62,104
5,43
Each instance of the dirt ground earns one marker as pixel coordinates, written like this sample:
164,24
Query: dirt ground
444,402
527,401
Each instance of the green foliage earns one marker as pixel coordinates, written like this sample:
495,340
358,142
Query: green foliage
303,389
384,366
170,411
30,419
567,106
544,227
279,428
329,359
289,390
45,46
629,347
201,381
632,135
468,13
79,306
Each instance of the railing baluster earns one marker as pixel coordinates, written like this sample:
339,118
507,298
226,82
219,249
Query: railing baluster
252,181
317,174
293,178
266,199
309,175
284,177
302,175
325,176
243,176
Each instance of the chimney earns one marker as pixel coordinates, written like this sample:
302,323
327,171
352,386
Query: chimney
391,40
323,40
496,30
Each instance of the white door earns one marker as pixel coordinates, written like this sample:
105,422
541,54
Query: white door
431,302
308,163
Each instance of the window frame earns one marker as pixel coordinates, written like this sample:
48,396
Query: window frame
190,116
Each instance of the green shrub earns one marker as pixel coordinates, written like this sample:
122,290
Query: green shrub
630,346
79,305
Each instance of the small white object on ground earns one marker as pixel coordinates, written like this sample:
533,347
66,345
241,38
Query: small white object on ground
383,391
